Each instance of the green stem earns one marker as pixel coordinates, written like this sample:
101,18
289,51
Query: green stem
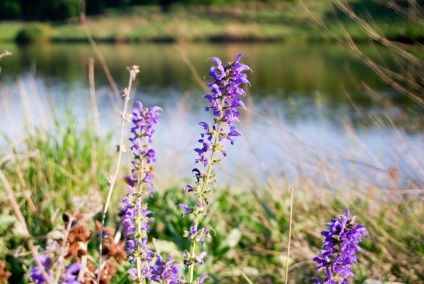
204,185
192,253
139,200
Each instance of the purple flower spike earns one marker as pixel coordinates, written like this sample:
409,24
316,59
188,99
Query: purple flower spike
340,248
224,100
136,217
167,271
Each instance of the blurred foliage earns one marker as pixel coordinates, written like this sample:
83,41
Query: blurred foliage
34,32
59,10
235,21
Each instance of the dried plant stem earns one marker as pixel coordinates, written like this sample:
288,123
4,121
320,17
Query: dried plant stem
63,250
93,100
193,70
26,105
18,213
83,268
5,53
126,95
96,118
245,277
103,64
290,233
9,157
399,81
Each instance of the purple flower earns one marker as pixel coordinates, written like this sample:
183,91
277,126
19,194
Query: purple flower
144,120
188,188
199,235
166,272
340,248
224,100
35,273
71,274
200,257
69,277
187,209
203,278
136,217
202,234
193,230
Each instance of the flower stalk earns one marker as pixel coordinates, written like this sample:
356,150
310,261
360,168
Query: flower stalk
133,70
135,214
224,100
340,248
204,197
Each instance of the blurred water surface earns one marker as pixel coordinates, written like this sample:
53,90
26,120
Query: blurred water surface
307,114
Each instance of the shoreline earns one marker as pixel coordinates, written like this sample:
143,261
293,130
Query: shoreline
216,24
218,39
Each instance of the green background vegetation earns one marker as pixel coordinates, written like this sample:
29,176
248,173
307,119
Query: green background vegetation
182,21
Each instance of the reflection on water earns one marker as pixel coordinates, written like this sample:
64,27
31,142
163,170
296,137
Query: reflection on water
300,119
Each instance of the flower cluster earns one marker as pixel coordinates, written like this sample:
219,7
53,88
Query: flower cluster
223,101
143,130
136,216
340,248
69,277
165,272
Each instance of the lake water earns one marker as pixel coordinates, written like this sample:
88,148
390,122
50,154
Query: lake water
302,114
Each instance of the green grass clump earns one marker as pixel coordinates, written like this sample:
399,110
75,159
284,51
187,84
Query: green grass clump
34,33
66,162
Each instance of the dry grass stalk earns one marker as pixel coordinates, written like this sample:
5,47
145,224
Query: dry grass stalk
133,70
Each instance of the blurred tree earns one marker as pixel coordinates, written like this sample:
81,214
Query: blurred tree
94,7
9,9
82,11
59,10
165,4
72,8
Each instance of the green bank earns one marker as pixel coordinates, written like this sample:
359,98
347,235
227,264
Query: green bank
250,21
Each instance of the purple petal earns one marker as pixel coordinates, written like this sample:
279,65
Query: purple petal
203,278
